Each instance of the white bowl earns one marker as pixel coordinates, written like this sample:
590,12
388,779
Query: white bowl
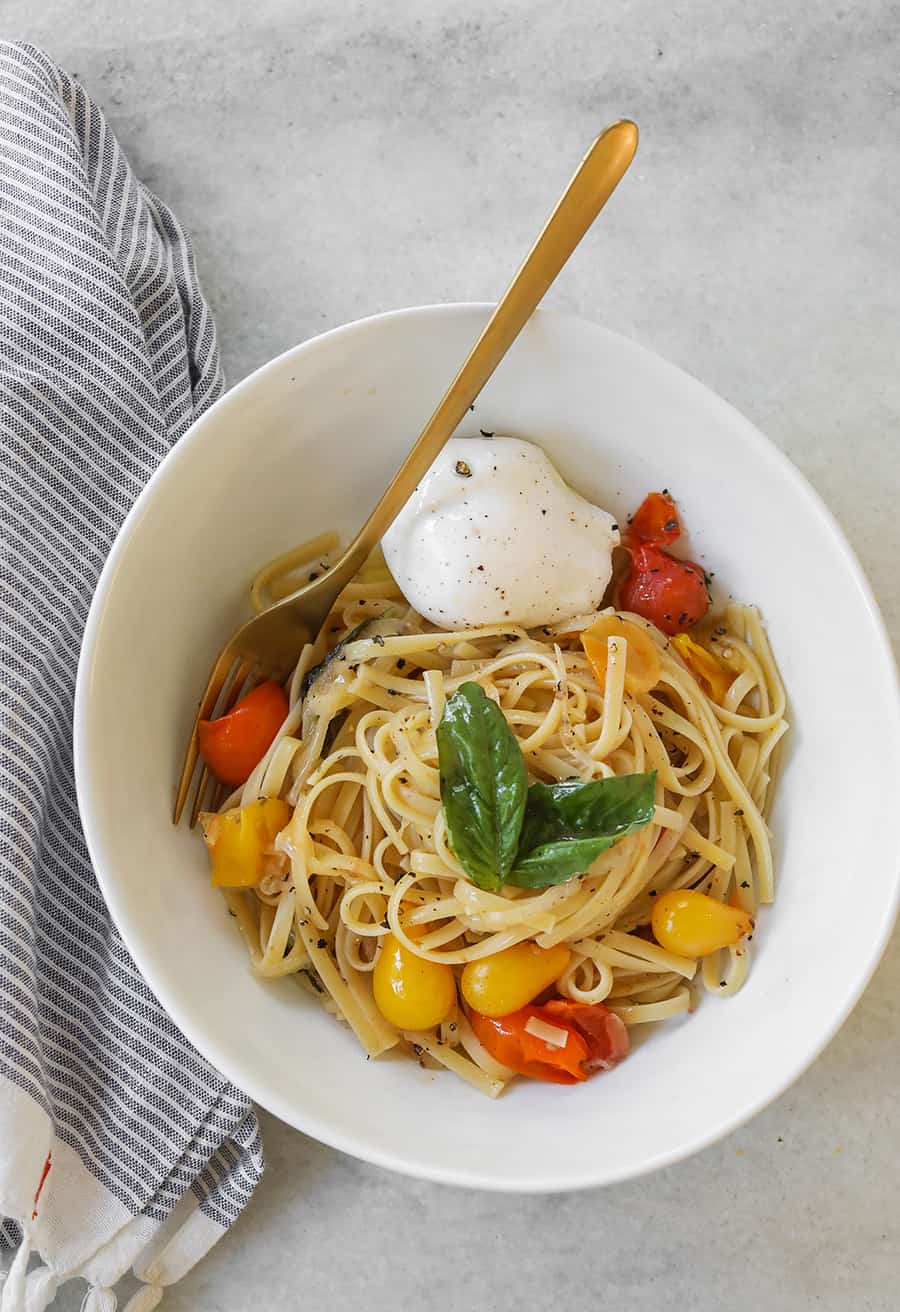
307,443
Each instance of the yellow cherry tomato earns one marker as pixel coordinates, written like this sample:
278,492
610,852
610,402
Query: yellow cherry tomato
693,925
505,981
642,663
707,669
240,839
410,992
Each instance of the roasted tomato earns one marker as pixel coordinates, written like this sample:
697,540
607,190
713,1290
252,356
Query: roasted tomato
234,745
670,593
561,1042
655,520
604,1031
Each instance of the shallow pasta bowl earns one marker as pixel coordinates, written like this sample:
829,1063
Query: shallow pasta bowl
306,444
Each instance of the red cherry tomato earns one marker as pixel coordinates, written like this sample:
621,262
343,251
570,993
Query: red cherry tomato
604,1031
655,520
596,1039
508,1042
670,593
234,745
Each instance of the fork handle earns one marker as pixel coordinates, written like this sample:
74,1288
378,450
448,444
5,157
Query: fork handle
595,180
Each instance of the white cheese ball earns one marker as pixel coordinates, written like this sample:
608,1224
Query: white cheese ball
493,535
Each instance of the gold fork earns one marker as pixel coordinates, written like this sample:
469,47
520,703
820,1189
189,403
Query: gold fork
267,647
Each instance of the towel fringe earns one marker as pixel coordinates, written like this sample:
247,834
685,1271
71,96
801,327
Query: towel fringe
40,1289
13,1298
145,1299
100,1298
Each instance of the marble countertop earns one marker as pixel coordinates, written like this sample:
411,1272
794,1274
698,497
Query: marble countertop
335,160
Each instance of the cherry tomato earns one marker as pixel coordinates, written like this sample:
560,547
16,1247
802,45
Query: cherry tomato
670,593
604,1031
234,745
508,1042
596,1039
655,520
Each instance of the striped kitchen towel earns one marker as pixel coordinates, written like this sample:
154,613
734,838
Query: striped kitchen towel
119,1145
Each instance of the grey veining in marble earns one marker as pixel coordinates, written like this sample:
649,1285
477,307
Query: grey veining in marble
335,159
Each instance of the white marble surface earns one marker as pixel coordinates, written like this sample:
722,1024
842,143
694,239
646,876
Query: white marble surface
334,159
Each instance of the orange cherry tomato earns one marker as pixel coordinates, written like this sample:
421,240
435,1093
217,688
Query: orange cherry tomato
655,520
642,663
670,593
234,745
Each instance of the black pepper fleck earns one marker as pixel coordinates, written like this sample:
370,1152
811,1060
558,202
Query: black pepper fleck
322,943
484,433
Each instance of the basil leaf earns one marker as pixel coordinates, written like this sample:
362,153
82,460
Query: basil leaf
483,785
568,825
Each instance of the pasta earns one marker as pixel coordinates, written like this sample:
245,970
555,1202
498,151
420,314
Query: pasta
366,852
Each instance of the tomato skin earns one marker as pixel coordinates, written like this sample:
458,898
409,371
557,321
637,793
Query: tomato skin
670,593
508,1042
233,745
604,1031
656,520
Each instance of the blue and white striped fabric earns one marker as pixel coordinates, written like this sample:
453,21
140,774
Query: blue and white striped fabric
107,353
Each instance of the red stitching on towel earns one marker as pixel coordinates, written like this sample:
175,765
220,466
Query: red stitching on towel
37,1192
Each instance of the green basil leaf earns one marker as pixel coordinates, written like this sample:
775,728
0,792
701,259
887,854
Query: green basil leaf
483,785
568,825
